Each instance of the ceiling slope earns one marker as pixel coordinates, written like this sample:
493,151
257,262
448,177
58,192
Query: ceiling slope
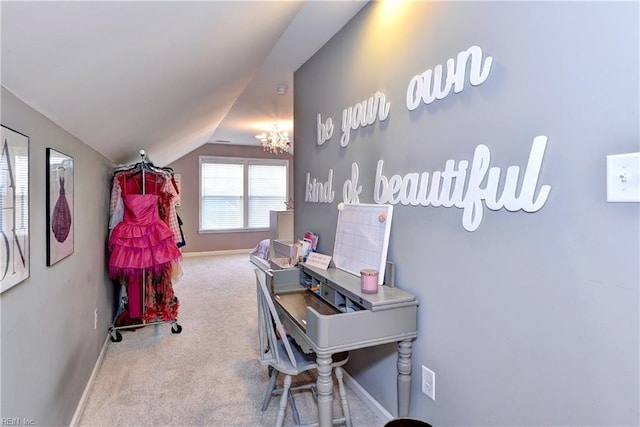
165,77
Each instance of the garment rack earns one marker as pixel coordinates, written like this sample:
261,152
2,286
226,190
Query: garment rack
116,336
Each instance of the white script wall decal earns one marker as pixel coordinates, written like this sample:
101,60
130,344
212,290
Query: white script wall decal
447,187
427,87
351,190
317,191
363,114
325,130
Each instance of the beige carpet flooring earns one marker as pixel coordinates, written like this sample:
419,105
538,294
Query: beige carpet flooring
207,375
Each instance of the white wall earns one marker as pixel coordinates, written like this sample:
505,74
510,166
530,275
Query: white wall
49,345
532,319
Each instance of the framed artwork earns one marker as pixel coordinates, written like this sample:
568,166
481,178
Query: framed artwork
59,206
14,208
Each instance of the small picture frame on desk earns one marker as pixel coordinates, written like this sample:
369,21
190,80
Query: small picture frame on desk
59,201
318,260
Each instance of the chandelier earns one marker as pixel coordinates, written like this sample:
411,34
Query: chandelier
276,141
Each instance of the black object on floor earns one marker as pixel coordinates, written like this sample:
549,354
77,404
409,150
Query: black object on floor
407,422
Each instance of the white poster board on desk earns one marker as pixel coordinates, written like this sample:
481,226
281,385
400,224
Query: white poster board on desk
362,238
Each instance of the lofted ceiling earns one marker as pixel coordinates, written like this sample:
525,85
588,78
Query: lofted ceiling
166,77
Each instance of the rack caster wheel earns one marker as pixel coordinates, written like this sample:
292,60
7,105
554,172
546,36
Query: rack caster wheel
116,336
176,329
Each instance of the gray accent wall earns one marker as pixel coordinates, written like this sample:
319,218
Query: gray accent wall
49,345
533,318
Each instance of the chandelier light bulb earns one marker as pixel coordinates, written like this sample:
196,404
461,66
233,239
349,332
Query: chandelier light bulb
276,141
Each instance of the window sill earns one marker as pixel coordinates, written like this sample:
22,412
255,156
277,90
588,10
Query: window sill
234,230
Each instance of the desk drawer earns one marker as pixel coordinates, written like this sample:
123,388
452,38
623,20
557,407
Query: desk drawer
337,299
359,329
328,294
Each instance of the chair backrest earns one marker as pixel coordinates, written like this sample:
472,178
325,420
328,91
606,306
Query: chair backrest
269,323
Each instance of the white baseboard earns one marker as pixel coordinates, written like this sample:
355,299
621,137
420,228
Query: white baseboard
87,389
210,253
366,398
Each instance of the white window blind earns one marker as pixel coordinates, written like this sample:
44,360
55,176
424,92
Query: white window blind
239,193
20,169
267,191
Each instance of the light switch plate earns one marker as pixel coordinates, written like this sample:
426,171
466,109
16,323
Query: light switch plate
623,177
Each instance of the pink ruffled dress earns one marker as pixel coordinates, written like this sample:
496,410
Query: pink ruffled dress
142,242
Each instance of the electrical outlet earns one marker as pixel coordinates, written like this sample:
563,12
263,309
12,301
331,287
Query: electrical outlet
429,382
95,319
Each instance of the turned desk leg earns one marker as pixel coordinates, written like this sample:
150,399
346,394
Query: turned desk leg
404,377
325,390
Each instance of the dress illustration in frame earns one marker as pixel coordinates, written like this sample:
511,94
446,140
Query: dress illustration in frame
59,206
14,208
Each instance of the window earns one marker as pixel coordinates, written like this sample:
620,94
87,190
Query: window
19,194
237,194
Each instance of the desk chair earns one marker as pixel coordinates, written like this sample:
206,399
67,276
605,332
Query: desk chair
284,356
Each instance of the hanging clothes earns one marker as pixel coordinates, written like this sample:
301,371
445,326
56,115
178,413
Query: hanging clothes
160,182
144,253
142,240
